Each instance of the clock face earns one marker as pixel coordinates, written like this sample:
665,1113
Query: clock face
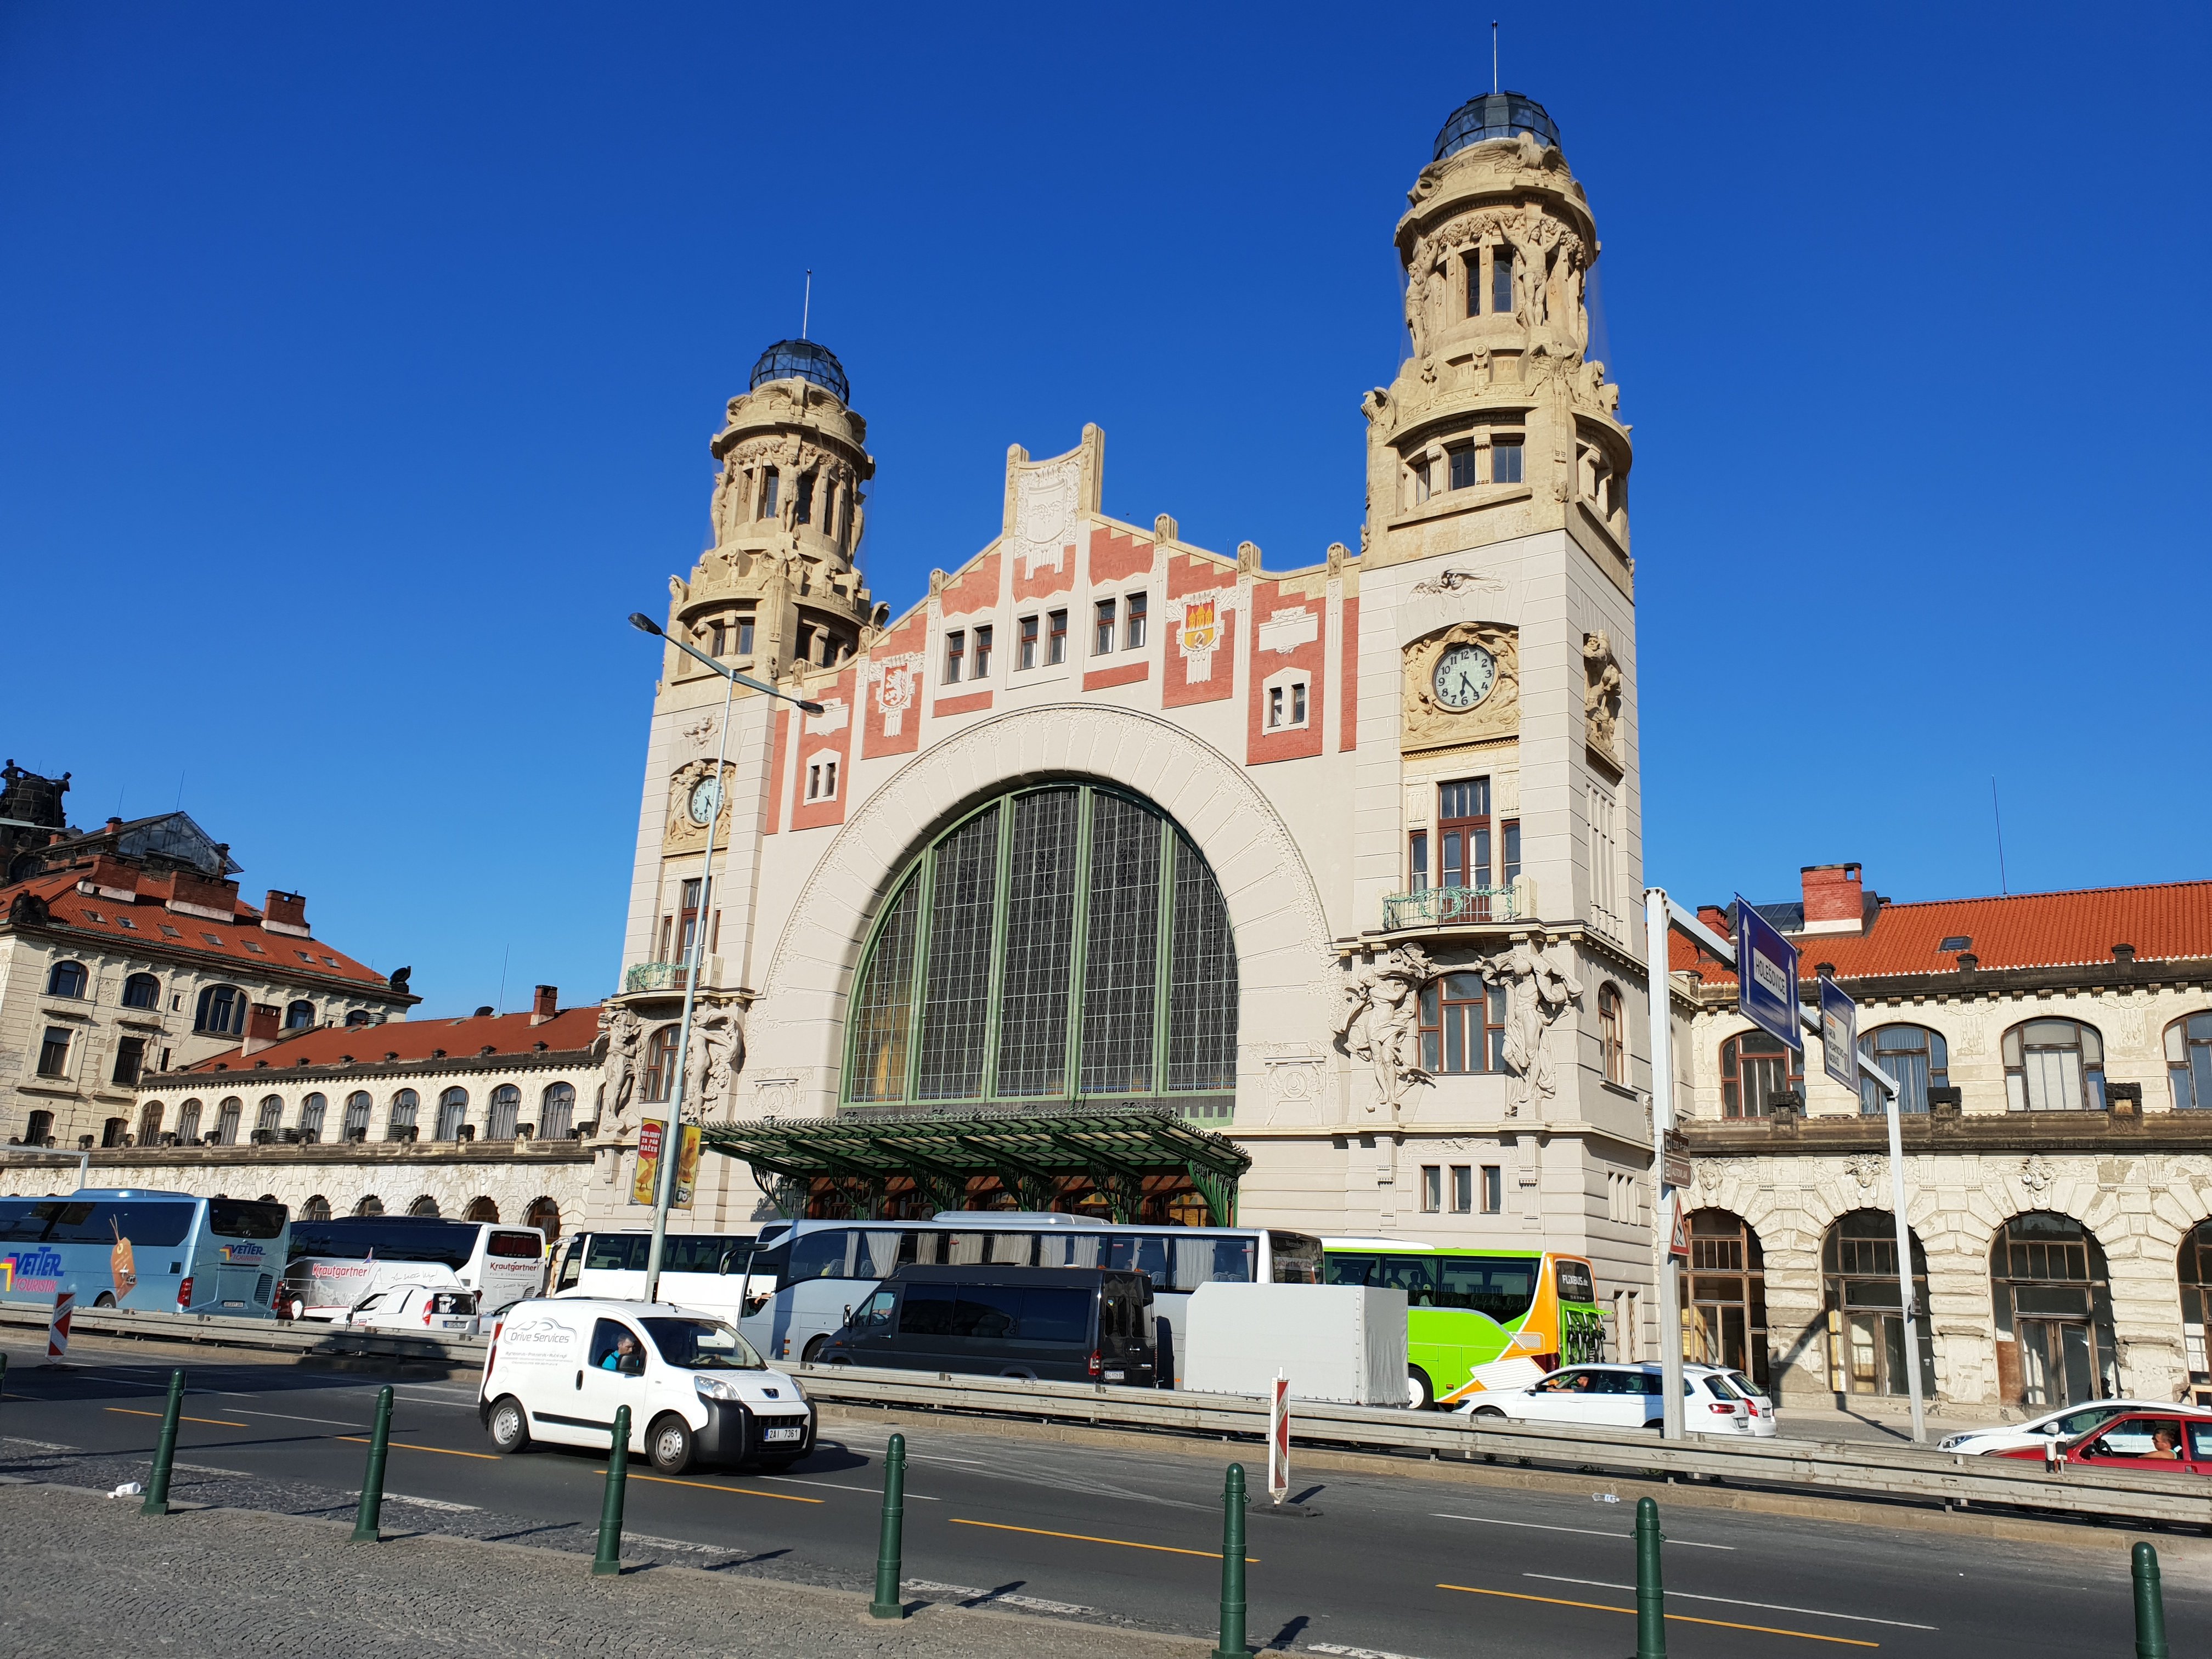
704,795
1464,676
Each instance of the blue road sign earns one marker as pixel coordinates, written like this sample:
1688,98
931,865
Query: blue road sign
1766,976
1839,1034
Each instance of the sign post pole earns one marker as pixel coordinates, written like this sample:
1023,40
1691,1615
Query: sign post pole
1665,1199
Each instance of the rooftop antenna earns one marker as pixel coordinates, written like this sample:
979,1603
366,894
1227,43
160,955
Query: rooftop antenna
2004,887
807,305
1493,55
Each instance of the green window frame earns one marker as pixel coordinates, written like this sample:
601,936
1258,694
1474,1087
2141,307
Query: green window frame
1060,942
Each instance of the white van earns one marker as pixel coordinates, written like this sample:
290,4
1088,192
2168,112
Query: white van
697,1391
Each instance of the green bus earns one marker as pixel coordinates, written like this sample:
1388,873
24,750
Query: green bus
1477,1318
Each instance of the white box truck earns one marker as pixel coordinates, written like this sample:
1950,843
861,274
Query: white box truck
1345,1344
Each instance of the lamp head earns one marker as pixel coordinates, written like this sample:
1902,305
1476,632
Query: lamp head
643,623
811,708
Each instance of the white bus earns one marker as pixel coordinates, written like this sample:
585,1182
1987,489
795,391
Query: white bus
705,1271
822,1270
335,1264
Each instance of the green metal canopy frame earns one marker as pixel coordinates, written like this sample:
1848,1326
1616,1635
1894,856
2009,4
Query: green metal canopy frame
1030,1150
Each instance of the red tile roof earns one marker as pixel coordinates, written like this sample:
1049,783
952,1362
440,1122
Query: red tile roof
569,1031
2168,923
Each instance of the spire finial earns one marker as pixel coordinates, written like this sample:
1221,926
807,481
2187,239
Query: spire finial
806,305
1493,54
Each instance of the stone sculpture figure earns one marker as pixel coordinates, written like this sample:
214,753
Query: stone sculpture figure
1381,1021
1600,693
624,1037
1540,989
718,1052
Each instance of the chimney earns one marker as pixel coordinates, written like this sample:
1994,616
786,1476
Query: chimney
1715,918
264,1026
286,913
111,878
1834,902
544,1004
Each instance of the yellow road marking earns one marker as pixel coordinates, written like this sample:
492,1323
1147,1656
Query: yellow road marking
445,1451
1085,1538
709,1486
1679,1618
220,1422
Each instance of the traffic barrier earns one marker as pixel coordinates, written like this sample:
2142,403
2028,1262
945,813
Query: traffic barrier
890,1542
1651,1591
608,1561
2150,1604
165,1450
372,1487
58,1329
1232,1567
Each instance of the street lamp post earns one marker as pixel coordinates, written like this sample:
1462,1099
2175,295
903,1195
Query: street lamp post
672,1140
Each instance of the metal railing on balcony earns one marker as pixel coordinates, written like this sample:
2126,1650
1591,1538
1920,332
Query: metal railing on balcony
1443,906
654,976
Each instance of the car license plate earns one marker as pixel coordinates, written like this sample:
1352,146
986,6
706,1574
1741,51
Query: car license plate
1115,1377
785,1434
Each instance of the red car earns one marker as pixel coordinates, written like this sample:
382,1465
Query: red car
2146,1440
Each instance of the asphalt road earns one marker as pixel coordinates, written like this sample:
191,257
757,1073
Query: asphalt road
1393,1567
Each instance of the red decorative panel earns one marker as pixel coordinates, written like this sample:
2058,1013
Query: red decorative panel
780,745
890,701
1201,645
1042,581
1127,673
975,588
824,748
966,703
1348,677
1117,558
1188,574
1289,642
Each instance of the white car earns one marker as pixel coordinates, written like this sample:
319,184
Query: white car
2055,1428
415,1308
559,1369
1714,1401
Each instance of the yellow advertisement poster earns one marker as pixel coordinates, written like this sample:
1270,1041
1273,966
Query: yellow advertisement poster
651,1136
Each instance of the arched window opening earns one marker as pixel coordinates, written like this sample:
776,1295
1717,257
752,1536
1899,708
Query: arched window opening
150,1124
312,1111
400,1125
1613,1034
556,1111
66,979
2189,1061
506,1108
357,1018
1462,1025
188,1123
1867,1355
2194,1268
1756,1071
358,1109
112,1132
424,1205
2053,1304
38,1129
1916,1057
317,1208
660,1063
1058,943
221,1011
299,1016
481,1209
228,1115
545,1215
141,991
372,1205
270,1116
2054,1066
452,1112
1727,1296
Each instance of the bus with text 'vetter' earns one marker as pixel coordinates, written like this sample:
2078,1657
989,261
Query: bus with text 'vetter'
127,1247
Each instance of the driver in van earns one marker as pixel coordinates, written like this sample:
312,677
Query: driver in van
625,1357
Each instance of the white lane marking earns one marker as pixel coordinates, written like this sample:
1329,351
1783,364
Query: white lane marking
210,1468
1730,1600
132,1382
38,1445
431,1503
1588,1532
647,1538
930,1587
834,1486
1352,1653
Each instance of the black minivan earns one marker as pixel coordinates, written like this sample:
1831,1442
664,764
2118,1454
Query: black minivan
1055,1324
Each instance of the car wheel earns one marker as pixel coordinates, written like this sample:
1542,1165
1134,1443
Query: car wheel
811,1354
1489,1411
510,1426
1419,1393
1657,1425
668,1444
105,1299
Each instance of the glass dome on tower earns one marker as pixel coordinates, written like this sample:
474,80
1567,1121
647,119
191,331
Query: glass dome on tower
802,360
1496,115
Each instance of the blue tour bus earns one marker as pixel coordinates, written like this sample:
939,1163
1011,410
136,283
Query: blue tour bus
203,1255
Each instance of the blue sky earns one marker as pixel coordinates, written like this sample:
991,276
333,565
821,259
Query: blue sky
360,364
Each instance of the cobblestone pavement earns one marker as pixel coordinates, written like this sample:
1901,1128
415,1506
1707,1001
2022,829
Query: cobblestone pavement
89,1576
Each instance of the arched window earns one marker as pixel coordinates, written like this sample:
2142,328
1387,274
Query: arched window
545,1215
556,1111
358,1107
1728,1293
270,1117
1866,1356
188,1123
1462,1025
357,1018
506,1108
978,984
38,1129
299,1016
2189,1061
372,1205
2194,1268
1755,1069
66,979
2054,1066
452,1112
149,1124
481,1209
113,1131
1916,1056
2053,1302
660,1063
221,1011
141,991
317,1208
227,1116
425,1205
400,1125
1613,1034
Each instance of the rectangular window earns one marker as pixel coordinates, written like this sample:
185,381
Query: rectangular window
980,668
690,917
1493,1189
1463,833
956,648
802,499
1028,649
1417,860
768,481
1102,639
1420,470
745,636
53,1053
1505,461
1299,703
1432,1188
1274,707
1462,468
1133,633
667,928
130,1059
1474,283
1056,638
1501,280
715,640
829,780
814,783
1462,1196
1509,835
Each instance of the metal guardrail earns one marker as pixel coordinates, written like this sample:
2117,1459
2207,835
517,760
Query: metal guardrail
654,976
1442,906
1838,1469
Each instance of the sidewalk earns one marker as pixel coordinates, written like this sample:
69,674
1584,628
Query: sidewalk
91,1576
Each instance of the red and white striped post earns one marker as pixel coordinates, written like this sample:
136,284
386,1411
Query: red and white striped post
57,1331
1279,1439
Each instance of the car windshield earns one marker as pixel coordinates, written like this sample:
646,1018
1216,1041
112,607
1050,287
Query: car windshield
703,1345
1744,1385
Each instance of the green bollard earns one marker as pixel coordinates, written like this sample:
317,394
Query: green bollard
1650,1595
165,1453
890,1548
1232,1567
608,1562
371,1487
2150,1605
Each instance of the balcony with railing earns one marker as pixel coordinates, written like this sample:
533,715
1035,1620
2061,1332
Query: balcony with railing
655,977
1447,906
